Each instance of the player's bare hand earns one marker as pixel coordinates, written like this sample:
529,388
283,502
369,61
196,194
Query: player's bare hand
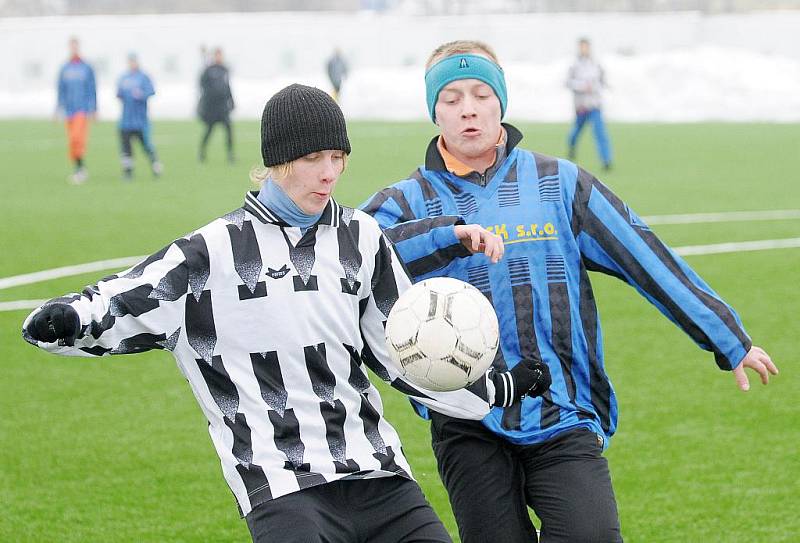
477,239
757,360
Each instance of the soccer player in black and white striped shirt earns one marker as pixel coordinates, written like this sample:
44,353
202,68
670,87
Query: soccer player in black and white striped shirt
273,312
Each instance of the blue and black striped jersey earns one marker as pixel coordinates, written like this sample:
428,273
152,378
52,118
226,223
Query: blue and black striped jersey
134,88
557,222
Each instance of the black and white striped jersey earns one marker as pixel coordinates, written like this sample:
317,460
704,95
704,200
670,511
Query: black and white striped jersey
273,328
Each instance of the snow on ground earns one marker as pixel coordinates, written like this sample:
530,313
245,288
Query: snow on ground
666,67
698,84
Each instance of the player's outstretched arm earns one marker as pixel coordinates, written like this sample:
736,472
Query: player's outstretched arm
139,309
615,241
757,360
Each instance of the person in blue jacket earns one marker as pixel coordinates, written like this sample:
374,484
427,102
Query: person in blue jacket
134,89
77,104
558,222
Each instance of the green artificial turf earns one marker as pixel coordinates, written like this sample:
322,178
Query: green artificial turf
115,449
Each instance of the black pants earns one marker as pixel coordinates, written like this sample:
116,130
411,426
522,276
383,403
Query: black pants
383,510
126,138
491,483
226,123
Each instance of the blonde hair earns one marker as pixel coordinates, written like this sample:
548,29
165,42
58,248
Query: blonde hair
460,47
259,174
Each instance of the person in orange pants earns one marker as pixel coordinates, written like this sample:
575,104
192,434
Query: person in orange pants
77,101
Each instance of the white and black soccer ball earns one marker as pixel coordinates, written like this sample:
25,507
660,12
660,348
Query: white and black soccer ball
442,334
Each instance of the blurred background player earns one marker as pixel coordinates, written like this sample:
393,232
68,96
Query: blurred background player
337,72
216,103
587,79
134,89
77,102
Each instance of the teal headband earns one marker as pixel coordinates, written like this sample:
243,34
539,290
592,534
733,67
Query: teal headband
467,66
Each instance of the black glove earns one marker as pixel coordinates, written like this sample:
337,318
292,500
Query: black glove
528,377
54,322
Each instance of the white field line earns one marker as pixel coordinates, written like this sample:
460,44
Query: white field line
68,271
728,216
20,304
688,250
738,246
689,218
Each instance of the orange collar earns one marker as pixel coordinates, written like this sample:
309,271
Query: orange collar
456,166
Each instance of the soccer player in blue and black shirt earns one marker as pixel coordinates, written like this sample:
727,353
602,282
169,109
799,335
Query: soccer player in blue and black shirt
134,89
558,222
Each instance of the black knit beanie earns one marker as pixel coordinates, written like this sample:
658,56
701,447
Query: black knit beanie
299,120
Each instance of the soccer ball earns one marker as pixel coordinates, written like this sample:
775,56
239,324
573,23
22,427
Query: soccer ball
442,334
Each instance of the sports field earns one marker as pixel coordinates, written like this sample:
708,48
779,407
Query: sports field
115,449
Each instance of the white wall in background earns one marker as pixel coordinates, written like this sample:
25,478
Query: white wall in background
661,67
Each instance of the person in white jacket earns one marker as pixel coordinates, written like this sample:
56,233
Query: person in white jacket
586,79
273,312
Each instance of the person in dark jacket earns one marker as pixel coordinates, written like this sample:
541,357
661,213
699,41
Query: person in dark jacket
337,72
216,103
